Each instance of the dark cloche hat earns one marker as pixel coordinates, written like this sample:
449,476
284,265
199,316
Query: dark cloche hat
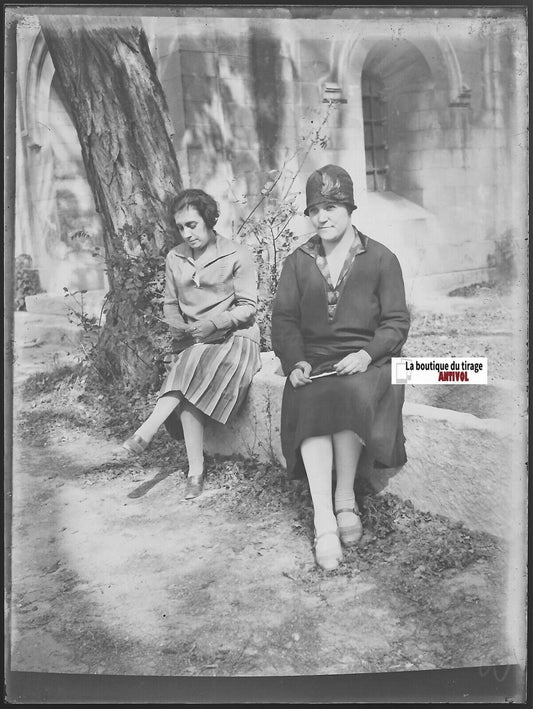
330,183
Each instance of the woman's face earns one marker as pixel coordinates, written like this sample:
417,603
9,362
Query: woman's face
192,228
331,221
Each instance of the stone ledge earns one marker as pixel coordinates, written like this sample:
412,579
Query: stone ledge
60,304
35,329
459,465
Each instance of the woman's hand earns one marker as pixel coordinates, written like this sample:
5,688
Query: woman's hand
201,329
299,376
353,363
179,332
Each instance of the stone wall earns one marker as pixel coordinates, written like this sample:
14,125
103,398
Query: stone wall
449,153
245,93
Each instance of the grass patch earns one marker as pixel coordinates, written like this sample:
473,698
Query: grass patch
48,382
423,543
36,425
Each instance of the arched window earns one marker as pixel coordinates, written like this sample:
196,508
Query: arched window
402,127
376,143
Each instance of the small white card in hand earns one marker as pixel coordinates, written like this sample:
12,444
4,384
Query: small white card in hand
325,374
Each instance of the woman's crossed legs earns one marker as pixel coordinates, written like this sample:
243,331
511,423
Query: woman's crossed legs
193,423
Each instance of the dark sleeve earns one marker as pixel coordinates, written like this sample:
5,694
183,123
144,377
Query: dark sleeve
287,341
394,324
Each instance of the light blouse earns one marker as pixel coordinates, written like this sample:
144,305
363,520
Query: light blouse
219,286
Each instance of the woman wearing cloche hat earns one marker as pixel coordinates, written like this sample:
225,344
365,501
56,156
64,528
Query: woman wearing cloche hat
338,317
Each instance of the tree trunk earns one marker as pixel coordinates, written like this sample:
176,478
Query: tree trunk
109,85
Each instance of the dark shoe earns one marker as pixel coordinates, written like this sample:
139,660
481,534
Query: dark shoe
195,485
351,530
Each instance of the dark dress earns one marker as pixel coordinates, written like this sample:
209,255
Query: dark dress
313,321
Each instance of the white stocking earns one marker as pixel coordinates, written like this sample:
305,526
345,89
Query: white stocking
192,421
347,449
317,455
162,410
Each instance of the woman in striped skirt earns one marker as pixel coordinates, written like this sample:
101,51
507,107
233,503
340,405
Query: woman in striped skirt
210,304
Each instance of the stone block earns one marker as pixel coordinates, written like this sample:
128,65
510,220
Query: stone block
456,176
255,431
197,113
482,138
459,465
195,38
429,139
198,63
244,162
288,92
402,180
428,120
313,70
462,158
285,69
236,43
437,284
231,65
90,302
238,115
33,329
442,159
314,50
415,195
198,88
425,100
403,103
309,93
413,121
338,138
244,137
413,160
238,90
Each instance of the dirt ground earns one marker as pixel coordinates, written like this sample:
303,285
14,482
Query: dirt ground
113,572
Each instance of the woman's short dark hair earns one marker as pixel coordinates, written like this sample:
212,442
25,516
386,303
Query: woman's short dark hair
204,204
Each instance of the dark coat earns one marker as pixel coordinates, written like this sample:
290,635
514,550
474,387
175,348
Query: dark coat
370,314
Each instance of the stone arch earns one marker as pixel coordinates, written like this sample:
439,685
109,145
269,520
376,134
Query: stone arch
49,140
437,52
38,81
36,165
433,55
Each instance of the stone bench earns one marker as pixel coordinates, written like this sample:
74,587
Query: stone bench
469,469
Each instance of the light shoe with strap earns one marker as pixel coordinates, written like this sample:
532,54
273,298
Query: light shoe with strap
328,550
349,525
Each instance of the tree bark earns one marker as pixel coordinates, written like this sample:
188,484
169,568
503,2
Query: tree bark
110,86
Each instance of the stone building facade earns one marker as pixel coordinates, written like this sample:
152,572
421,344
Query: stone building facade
427,111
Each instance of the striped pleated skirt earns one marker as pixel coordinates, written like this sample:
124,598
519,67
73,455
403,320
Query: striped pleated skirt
212,377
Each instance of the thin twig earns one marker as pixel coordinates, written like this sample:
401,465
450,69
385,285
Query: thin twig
306,154
263,197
